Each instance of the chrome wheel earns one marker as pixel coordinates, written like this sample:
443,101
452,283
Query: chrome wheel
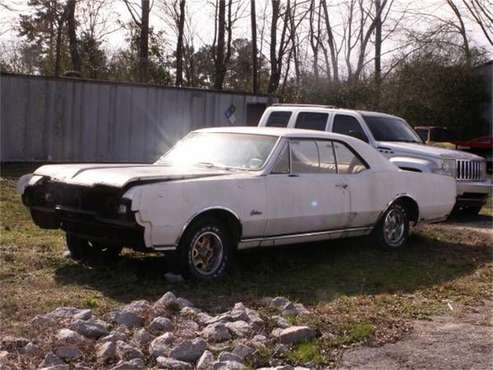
394,227
207,252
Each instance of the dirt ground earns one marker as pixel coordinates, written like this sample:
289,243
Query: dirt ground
463,339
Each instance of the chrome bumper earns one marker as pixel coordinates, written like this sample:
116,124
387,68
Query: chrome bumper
480,187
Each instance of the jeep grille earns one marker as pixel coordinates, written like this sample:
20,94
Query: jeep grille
469,170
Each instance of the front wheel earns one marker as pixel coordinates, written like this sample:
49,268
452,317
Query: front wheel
80,248
205,252
392,232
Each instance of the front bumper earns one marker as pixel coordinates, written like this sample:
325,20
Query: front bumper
473,193
89,225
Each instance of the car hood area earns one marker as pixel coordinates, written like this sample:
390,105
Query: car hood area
425,151
119,175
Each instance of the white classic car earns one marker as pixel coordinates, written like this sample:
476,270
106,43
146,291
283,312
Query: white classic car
223,189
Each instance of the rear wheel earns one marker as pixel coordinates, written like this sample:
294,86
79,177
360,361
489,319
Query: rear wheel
392,232
205,252
80,248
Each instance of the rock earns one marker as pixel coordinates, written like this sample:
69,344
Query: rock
70,313
142,338
81,367
125,351
68,352
129,319
31,349
167,299
259,338
114,336
228,365
287,367
239,328
11,343
279,302
161,325
173,278
4,356
106,351
205,361
202,317
56,367
296,334
171,363
229,356
67,336
160,346
189,311
243,351
141,307
281,321
51,360
134,364
280,349
189,351
182,302
217,332
302,310
254,318
91,328
43,322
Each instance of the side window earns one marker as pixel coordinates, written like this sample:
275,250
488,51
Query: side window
312,121
347,161
282,163
304,156
348,125
327,159
278,119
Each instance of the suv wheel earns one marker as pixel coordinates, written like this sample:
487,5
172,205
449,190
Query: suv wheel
205,251
392,232
80,248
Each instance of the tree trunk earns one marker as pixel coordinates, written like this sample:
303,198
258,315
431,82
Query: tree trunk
220,68
179,45
378,48
144,42
253,19
72,37
462,30
58,46
274,72
331,42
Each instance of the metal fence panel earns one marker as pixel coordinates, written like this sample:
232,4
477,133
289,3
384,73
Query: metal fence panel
69,120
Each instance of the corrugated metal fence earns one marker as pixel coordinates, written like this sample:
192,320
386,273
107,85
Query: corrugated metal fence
59,119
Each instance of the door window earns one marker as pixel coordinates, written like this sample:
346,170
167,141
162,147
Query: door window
347,161
312,121
282,163
304,156
327,158
278,119
348,125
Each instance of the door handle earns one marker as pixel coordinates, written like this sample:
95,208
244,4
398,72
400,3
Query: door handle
342,186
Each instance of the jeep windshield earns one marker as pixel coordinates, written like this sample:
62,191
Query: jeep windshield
391,129
220,150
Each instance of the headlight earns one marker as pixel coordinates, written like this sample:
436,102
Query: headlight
446,167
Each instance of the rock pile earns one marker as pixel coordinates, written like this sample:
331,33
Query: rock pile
168,334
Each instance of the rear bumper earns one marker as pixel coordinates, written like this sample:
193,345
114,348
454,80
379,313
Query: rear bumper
90,226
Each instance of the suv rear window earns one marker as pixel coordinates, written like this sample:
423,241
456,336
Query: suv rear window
278,119
312,121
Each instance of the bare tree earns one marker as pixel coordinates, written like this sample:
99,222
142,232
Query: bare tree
315,34
461,28
219,63
253,19
482,14
72,35
140,16
277,53
331,42
179,44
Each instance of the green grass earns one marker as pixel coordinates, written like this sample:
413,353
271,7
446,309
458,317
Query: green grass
357,292
306,352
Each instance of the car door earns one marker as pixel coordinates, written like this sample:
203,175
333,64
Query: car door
363,186
300,197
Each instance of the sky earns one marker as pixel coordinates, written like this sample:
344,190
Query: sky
202,26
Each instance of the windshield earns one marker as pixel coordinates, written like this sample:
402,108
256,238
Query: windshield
223,150
391,129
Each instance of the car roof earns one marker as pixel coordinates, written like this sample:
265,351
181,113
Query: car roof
275,131
328,108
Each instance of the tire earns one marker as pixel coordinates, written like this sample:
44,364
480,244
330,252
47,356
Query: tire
392,231
471,211
80,248
211,237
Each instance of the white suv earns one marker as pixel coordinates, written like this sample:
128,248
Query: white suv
395,139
